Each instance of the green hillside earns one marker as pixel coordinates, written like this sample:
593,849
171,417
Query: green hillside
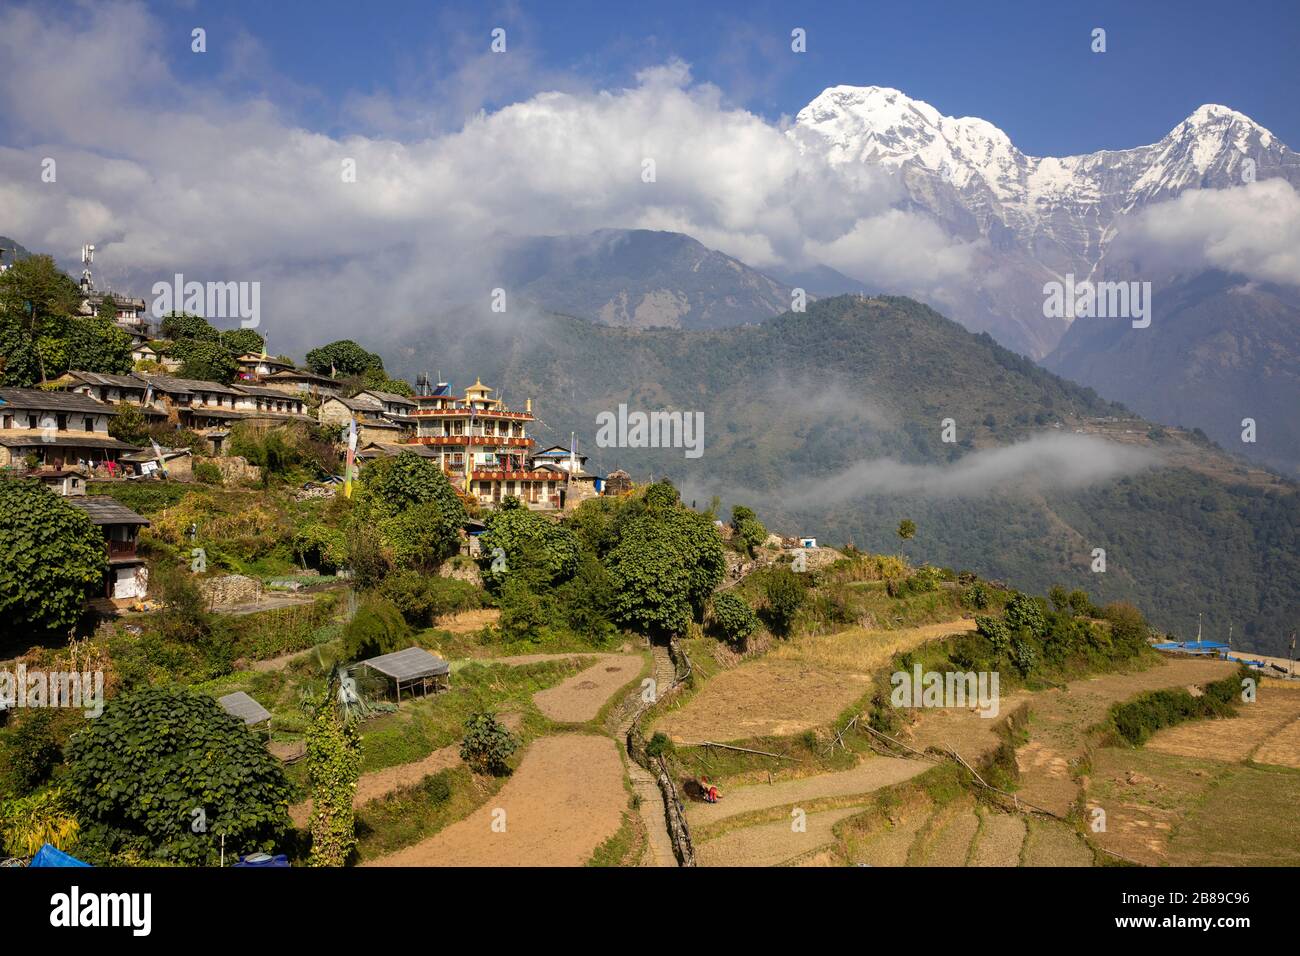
811,396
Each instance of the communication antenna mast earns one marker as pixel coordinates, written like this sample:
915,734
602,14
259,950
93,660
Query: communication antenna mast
87,257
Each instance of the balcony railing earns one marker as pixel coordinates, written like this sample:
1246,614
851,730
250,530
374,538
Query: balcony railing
513,440
121,549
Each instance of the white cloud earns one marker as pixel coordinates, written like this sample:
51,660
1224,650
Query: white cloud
1252,229
166,175
1041,462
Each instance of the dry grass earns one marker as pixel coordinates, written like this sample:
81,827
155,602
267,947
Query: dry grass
804,684
862,650
564,801
1256,729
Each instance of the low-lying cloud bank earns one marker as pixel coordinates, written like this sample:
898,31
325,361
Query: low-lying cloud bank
1252,229
1043,462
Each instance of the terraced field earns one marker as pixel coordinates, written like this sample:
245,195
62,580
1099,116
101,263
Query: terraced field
796,687
1220,792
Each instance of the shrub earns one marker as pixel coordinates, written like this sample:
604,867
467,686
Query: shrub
487,745
33,750
422,598
732,618
207,473
976,596
30,822
377,628
659,745
1024,611
137,773
783,591
51,559
996,632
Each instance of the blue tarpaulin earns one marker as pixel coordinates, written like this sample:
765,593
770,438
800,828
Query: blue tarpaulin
263,859
52,856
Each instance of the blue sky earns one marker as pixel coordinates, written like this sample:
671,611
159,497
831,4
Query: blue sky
1025,66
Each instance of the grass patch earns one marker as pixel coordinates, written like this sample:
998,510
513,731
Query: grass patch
411,814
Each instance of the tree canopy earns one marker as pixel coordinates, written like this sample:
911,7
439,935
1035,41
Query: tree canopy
667,562
164,771
51,559
343,357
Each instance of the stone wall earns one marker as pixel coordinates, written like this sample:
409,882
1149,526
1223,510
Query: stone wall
229,590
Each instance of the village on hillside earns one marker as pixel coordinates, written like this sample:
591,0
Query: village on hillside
418,639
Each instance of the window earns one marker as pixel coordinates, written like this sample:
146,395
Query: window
90,424
62,423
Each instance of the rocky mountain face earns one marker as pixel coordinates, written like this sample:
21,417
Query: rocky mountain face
1039,218
639,278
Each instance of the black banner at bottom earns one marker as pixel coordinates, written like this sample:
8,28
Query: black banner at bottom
298,905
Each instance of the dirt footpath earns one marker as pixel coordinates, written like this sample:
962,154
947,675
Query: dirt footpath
871,774
565,799
581,696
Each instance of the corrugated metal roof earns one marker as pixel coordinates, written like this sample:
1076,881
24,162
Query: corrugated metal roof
409,664
244,707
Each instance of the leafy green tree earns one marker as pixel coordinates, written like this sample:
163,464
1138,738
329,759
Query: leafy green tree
320,546
1059,597
733,618
1023,654
343,357
527,540
206,361
333,768
164,771
667,562
1024,611
241,341
421,536
179,326
906,530
746,529
996,632
129,425
487,745
377,628
784,594
20,362
52,559
37,297
395,484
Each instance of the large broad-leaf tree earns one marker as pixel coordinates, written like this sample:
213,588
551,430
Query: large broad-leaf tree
416,510
164,773
52,559
518,540
667,562
343,357
36,300
185,325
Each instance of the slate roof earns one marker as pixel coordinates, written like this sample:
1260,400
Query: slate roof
106,510
39,400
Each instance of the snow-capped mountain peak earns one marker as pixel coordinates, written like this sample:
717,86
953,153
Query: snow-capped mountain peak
1042,217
